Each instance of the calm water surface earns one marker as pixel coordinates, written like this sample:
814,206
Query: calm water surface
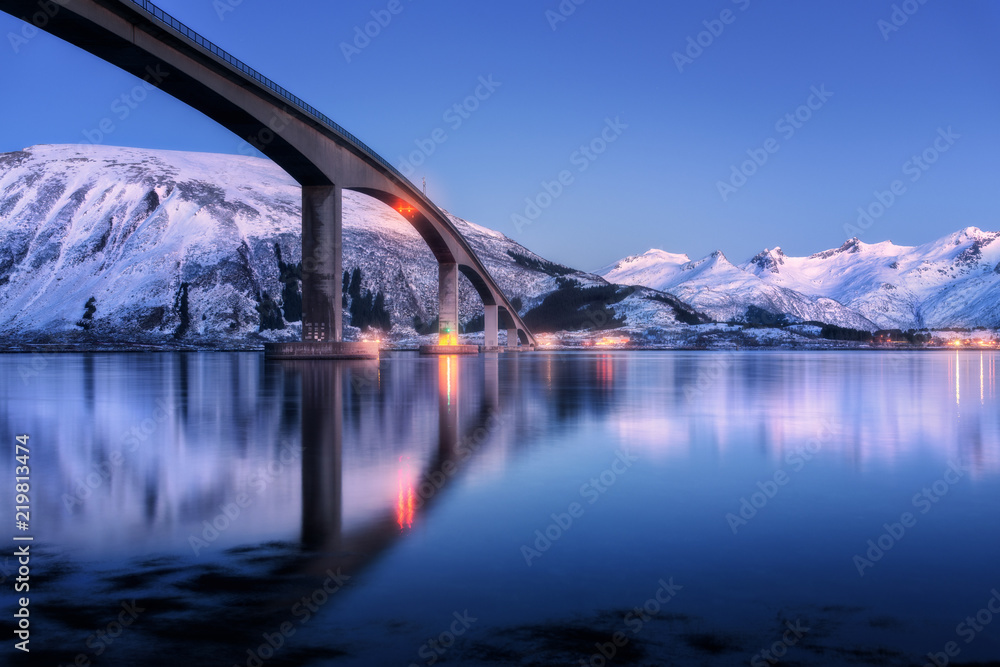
831,508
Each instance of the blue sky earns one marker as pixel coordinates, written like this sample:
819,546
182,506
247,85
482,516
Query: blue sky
893,93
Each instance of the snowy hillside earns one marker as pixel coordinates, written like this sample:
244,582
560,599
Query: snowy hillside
144,245
718,288
951,282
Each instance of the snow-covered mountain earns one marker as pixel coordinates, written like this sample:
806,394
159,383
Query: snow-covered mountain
143,245
715,286
951,282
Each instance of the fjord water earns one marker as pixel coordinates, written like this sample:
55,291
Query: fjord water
832,507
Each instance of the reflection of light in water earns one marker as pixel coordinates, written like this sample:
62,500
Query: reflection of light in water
445,371
958,391
987,376
778,414
605,370
405,498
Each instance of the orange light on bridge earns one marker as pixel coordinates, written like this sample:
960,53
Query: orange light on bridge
406,209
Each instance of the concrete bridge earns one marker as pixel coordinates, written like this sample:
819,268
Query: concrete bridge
323,157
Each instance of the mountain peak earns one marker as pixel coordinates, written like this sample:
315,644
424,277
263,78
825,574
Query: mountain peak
851,245
974,234
766,260
716,260
654,257
665,256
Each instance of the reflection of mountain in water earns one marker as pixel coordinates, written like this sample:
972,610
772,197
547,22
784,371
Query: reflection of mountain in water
283,475
160,443
864,408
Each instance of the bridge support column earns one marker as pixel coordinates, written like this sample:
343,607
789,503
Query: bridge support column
322,263
512,338
322,283
448,304
491,319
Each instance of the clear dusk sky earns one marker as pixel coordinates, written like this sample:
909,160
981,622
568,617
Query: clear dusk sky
888,89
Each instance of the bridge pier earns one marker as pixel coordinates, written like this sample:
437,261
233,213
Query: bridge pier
322,283
512,338
322,263
491,320
448,303
448,314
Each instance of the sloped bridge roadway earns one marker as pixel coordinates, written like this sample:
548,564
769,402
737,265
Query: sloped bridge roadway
323,157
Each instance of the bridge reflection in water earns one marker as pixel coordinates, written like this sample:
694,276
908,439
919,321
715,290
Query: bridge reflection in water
426,475
333,391
382,442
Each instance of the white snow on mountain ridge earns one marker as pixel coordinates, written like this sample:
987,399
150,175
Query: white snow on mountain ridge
951,282
715,286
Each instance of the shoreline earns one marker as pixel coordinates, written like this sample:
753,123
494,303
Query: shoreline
127,348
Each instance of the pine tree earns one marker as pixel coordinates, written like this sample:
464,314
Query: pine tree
88,314
380,315
355,288
270,313
367,304
290,275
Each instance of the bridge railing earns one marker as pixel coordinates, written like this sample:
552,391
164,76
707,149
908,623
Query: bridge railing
169,20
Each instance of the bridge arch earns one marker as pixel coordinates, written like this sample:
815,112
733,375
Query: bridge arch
319,154
428,232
